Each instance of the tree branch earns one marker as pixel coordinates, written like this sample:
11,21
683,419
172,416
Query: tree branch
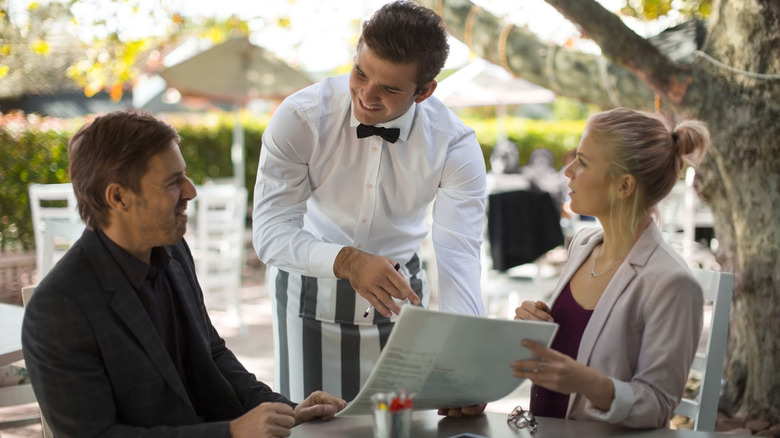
623,46
582,76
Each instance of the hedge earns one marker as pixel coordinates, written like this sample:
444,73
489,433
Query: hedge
34,150
529,135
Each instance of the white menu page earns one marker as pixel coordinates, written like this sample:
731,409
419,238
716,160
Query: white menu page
450,360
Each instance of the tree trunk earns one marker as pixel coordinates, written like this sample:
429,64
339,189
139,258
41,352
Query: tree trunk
742,185
734,85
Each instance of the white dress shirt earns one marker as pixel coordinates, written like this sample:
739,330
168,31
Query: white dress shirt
320,188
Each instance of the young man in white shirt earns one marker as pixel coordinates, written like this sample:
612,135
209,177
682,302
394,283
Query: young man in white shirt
340,207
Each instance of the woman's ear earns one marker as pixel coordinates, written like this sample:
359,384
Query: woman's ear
626,185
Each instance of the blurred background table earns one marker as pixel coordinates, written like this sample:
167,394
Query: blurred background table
10,333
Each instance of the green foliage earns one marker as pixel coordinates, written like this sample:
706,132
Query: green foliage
37,153
206,144
529,135
34,150
565,108
28,156
649,10
113,54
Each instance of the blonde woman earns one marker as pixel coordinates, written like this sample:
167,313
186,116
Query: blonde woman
629,309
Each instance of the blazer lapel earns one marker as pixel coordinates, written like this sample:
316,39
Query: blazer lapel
126,304
636,259
192,308
577,256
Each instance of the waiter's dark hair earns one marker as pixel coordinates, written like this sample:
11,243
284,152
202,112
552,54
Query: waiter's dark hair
404,32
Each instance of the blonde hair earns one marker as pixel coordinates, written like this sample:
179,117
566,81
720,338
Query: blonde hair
651,148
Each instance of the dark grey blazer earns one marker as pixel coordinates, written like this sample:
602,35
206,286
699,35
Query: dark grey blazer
99,368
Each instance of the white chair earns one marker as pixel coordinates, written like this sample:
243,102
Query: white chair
56,223
17,389
217,240
718,289
22,394
682,212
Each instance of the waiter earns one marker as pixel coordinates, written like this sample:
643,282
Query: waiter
348,169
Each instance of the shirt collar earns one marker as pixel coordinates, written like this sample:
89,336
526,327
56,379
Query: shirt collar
136,270
403,122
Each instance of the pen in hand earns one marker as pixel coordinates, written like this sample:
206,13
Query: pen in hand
365,314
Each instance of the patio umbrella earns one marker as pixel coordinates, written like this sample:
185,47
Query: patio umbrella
481,83
235,72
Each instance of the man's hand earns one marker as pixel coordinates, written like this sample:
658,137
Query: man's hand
374,278
463,412
318,405
267,420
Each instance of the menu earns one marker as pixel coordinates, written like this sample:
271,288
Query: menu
450,360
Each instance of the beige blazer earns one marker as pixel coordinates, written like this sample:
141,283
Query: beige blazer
643,332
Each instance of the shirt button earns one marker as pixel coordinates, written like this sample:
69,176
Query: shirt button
370,186
373,149
365,220
358,247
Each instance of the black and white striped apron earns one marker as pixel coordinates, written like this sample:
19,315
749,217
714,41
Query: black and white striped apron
322,340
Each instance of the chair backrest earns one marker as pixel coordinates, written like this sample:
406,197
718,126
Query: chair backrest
56,222
27,292
221,214
682,212
217,240
718,288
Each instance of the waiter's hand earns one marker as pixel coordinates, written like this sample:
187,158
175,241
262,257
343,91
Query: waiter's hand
464,411
374,278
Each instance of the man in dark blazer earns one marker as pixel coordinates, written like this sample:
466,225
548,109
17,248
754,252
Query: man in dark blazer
116,337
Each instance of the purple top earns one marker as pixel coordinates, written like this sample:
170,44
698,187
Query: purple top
572,320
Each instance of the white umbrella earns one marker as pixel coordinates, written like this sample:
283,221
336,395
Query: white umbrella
235,71
481,83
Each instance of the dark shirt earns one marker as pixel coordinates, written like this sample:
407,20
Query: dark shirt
154,290
572,320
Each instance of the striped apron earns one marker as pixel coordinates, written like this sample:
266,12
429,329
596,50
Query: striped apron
323,342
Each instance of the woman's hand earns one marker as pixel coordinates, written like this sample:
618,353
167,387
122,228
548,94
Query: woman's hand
559,372
533,310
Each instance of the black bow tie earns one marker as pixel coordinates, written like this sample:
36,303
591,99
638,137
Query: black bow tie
389,134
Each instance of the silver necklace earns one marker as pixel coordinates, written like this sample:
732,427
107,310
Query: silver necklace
593,266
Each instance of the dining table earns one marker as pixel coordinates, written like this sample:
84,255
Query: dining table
426,424
10,333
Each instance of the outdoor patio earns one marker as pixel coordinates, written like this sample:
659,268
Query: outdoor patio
254,345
